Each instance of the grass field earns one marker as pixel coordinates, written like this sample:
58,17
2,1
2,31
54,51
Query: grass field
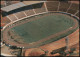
43,27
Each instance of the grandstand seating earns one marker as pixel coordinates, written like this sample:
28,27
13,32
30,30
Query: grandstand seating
52,6
19,13
29,10
16,14
3,24
5,20
64,6
12,17
73,8
39,8
42,7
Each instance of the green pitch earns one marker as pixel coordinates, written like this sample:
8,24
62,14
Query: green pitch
43,27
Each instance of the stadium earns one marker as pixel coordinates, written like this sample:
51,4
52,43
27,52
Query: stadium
39,28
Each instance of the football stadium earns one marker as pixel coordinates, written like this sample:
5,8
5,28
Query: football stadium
40,28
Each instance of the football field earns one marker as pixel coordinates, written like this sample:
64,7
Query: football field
43,27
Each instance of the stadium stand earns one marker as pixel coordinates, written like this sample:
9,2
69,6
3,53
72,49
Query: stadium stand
15,14
52,6
5,20
64,6
73,8
13,18
39,8
20,15
9,15
2,25
29,10
43,7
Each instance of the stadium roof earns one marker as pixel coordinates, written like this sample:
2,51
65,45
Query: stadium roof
18,5
13,6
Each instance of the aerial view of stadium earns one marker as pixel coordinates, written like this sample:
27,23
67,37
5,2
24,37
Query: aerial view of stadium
39,28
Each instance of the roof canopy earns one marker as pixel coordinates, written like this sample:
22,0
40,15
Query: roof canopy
18,5
13,6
